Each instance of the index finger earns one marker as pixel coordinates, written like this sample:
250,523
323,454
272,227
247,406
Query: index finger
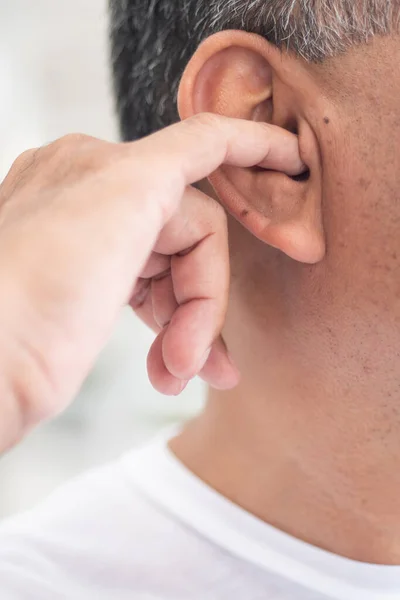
197,146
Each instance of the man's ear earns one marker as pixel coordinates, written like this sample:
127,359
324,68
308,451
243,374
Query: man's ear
237,74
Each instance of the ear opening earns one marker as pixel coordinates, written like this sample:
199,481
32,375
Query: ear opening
303,177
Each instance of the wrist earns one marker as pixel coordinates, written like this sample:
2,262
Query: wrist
22,389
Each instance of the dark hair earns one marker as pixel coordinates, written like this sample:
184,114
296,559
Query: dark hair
153,40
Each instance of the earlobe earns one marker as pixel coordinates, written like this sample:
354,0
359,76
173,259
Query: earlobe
280,211
233,74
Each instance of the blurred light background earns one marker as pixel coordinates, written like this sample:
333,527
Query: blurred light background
55,80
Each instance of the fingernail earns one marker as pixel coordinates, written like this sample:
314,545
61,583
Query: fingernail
204,360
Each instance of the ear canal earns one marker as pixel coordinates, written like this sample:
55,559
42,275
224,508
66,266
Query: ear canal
234,74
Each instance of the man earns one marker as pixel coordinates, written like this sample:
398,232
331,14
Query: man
287,486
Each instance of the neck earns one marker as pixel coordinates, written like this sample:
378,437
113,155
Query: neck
324,470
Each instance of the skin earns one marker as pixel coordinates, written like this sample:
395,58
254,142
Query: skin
86,227
310,439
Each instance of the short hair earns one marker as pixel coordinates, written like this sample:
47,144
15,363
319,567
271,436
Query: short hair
153,40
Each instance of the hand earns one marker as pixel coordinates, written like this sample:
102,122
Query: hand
87,227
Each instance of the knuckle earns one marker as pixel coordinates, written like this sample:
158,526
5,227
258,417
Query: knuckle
60,148
76,154
21,170
66,146
26,156
72,139
24,160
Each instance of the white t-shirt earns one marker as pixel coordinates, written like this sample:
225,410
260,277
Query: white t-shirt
145,528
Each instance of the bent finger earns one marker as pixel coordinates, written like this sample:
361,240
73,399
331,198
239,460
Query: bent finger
160,378
220,372
196,147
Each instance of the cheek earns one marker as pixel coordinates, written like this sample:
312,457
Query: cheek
362,218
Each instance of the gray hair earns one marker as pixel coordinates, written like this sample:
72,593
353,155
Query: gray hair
153,40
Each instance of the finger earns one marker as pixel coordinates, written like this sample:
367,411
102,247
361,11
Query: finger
142,296
198,217
142,304
164,300
197,237
195,148
160,378
140,293
201,281
220,372
156,265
